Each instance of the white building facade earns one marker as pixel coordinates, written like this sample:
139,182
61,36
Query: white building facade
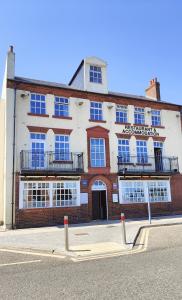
82,151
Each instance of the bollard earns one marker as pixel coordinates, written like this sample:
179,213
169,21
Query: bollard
66,233
123,228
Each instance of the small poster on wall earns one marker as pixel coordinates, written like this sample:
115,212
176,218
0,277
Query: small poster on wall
115,198
83,198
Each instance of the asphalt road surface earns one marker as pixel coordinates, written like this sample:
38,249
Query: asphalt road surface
153,274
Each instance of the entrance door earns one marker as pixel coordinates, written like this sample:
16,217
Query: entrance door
158,159
99,208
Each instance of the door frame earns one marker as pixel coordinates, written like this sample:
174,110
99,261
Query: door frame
102,190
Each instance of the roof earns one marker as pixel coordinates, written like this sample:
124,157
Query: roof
64,86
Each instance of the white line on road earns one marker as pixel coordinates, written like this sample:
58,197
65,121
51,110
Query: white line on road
32,253
20,263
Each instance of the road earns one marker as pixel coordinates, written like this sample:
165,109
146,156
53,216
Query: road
153,274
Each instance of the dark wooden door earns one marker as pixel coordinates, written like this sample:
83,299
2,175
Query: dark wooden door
158,159
99,208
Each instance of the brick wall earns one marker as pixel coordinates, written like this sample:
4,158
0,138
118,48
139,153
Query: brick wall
54,216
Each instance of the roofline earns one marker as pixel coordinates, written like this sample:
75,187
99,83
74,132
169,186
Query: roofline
76,72
95,93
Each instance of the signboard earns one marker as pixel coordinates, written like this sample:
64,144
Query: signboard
84,182
140,130
83,198
115,198
114,186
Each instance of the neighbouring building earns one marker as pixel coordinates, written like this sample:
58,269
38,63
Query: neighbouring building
83,151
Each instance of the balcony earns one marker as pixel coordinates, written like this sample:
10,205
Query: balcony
55,163
134,165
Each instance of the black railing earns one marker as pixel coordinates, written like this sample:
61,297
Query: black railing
53,162
147,164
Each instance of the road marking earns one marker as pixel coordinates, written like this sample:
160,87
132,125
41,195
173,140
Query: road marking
32,253
20,263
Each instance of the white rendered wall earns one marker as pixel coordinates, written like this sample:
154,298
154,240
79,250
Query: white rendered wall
80,122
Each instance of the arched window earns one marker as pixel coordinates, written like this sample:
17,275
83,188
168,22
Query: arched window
99,186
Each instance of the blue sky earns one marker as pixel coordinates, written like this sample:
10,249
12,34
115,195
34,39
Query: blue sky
140,39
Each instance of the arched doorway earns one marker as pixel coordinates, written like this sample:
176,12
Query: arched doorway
99,200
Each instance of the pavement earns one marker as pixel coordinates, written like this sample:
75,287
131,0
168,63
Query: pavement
85,240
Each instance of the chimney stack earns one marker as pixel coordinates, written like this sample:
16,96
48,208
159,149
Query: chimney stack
153,91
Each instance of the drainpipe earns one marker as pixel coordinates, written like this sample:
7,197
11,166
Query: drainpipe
13,171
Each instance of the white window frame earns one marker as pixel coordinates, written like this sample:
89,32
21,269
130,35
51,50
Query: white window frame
159,116
99,152
122,109
50,190
93,118
139,111
146,191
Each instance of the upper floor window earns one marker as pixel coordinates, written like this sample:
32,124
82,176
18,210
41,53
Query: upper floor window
121,114
37,155
142,156
95,74
62,151
61,107
156,117
97,152
38,104
124,150
139,115
96,111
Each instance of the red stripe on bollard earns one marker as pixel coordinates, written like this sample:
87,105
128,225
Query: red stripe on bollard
65,220
122,217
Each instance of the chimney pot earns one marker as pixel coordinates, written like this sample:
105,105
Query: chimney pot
10,48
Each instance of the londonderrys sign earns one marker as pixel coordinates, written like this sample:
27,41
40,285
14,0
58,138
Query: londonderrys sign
140,130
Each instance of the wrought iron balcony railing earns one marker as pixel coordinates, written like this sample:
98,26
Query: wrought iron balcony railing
53,162
147,164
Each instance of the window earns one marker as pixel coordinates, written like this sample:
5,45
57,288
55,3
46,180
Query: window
132,191
37,104
123,150
49,194
61,107
158,145
159,191
97,152
144,191
139,115
65,194
142,156
62,151
156,117
95,74
35,194
96,111
98,186
121,114
38,148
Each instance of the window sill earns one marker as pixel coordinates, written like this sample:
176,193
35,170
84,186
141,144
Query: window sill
38,115
97,121
119,123
158,126
141,125
61,117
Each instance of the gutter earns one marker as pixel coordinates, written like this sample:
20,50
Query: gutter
13,171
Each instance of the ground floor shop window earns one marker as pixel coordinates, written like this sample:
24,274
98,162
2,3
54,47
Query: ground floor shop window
49,194
65,194
144,191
